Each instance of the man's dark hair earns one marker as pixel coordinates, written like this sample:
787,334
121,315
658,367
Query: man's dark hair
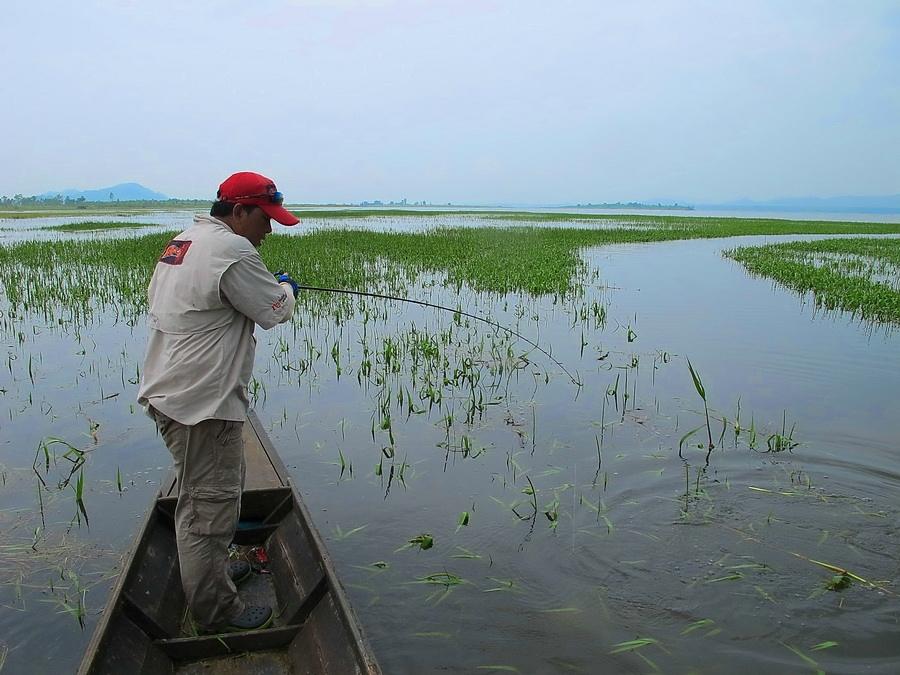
220,209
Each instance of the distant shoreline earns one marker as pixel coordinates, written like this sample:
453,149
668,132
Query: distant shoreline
30,206
637,206
137,209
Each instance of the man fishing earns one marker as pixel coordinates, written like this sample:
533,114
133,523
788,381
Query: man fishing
209,290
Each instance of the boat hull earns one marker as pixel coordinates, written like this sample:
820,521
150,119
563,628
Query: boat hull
146,627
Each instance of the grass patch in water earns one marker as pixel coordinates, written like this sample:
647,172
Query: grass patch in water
42,276
94,226
55,209
859,275
717,227
341,214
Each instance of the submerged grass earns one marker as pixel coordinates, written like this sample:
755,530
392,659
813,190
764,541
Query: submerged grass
859,275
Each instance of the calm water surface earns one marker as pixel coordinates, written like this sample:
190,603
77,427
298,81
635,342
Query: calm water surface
711,564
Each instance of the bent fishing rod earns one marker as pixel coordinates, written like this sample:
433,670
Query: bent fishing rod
413,301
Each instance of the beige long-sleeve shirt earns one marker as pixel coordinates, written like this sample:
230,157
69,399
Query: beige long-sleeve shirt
208,291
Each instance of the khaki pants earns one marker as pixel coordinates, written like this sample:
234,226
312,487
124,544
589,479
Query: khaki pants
209,466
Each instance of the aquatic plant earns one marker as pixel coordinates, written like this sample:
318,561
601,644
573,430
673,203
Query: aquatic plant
858,275
698,385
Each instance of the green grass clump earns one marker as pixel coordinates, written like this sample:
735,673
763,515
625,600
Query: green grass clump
54,208
70,277
530,259
859,275
351,213
94,226
533,259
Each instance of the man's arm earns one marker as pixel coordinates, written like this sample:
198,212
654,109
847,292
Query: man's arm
253,291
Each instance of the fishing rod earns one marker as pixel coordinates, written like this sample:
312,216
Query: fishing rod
413,301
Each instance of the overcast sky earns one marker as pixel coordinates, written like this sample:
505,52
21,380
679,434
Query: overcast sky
514,101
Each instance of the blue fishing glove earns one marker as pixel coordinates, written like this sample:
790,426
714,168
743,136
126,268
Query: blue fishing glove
284,278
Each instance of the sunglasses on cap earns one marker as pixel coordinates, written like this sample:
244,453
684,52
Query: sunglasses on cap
271,193
274,197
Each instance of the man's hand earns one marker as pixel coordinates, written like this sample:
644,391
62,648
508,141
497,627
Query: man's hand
284,278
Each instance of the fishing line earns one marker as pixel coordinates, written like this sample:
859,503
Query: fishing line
543,351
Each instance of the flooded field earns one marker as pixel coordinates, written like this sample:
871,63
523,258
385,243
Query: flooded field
486,512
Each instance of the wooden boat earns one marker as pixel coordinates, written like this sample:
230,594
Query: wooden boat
145,628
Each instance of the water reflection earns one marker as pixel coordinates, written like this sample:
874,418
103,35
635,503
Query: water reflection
585,530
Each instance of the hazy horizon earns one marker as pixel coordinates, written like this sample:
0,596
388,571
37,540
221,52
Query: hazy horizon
493,102
861,203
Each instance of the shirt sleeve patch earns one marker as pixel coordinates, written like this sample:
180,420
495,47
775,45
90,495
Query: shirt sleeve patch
175,252
279,303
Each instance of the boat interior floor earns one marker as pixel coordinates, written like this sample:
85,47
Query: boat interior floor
257,589
259,663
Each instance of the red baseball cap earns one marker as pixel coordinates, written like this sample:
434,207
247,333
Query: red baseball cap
246,187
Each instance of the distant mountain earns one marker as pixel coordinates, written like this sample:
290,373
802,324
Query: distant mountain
123,192
848,204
